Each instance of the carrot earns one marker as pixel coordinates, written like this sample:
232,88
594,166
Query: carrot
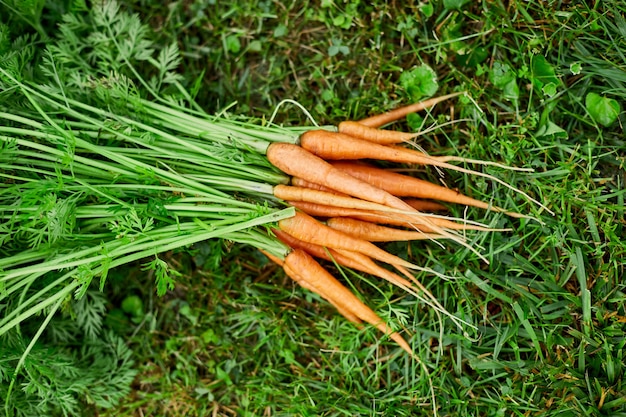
375,233
425,205
291,193
313,249
407,186
304,284
297,162
299,182
365,264
349,259
434,224
322,210
306,228
399,113
296,276
311,272
372,268
372,134
335,146
390,137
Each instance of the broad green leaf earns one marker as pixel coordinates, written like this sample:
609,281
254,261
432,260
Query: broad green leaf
420,82
603,110
575,68
501,74
415,121
542,74
504,78
511,91
427,9
280,31
233,44
133,306
549,89
551,130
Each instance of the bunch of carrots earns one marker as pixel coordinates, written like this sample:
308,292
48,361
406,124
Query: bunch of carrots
344,205
102,167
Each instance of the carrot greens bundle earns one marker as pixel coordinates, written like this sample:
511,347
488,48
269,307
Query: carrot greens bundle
108,167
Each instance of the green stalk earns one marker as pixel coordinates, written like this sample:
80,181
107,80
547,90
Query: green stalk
208,177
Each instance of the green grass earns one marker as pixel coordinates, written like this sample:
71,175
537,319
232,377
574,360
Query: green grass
235,337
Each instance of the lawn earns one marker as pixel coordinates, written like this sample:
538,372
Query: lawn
544,311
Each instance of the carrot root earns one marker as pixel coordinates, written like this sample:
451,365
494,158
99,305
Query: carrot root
298,162
311,272
371,134
306,228
335,146
399,113
376,233
292,193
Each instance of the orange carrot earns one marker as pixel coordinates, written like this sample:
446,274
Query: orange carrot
297,162
424,224
291,193
306,228
390,137
299,182
372,134
425,205
407,186
311,248
321,210
293,275
370,267
304,266
335,146
353,260
349,259
363,263
375,233
296,276
399,113
356,261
